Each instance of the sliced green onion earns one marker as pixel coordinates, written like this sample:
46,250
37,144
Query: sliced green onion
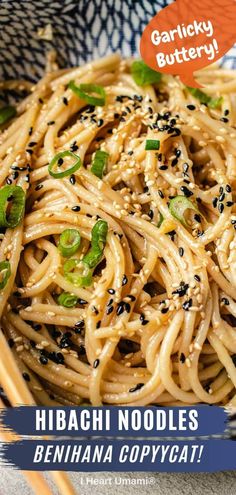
152,144
98,241
82,277
161,218
68,300
99,163
178,207
80,272
144,75
12,197
86,92
5,272
58,161
70,265
7,113
69,242
204,98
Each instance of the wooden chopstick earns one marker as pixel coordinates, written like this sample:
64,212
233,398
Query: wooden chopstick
35,479
18,394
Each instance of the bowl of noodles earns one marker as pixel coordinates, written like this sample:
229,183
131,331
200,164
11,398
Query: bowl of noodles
117,215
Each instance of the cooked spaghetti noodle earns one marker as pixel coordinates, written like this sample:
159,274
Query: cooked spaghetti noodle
146,313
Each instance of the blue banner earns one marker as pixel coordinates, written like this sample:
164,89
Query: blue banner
116,421
121,455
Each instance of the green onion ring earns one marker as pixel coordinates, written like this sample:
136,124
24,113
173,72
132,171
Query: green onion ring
99,163
15,215
69,242
84,91
67,300
69,171
179,205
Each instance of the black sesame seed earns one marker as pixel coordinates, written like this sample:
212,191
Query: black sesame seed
164,310
76,208
176,132
150,214
72,180
229,203
95,310
80,324
214,202
221,207
98,324
222,197
56,357
163,167
120,308
40,100
131,297
43,360
74,147
110,302
182,357
228,188
138,97
137,387
172,235
130,153
181,290
30,131
26,377
225,301
160,193
82,302
109,310
29,151
96,363
111,291
124,280
191,107
197,218
187,304
38,187
51,122
65,101
177,152
100,122
186,191
224,119
197,278
221,190
181,251
174,162
226,112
